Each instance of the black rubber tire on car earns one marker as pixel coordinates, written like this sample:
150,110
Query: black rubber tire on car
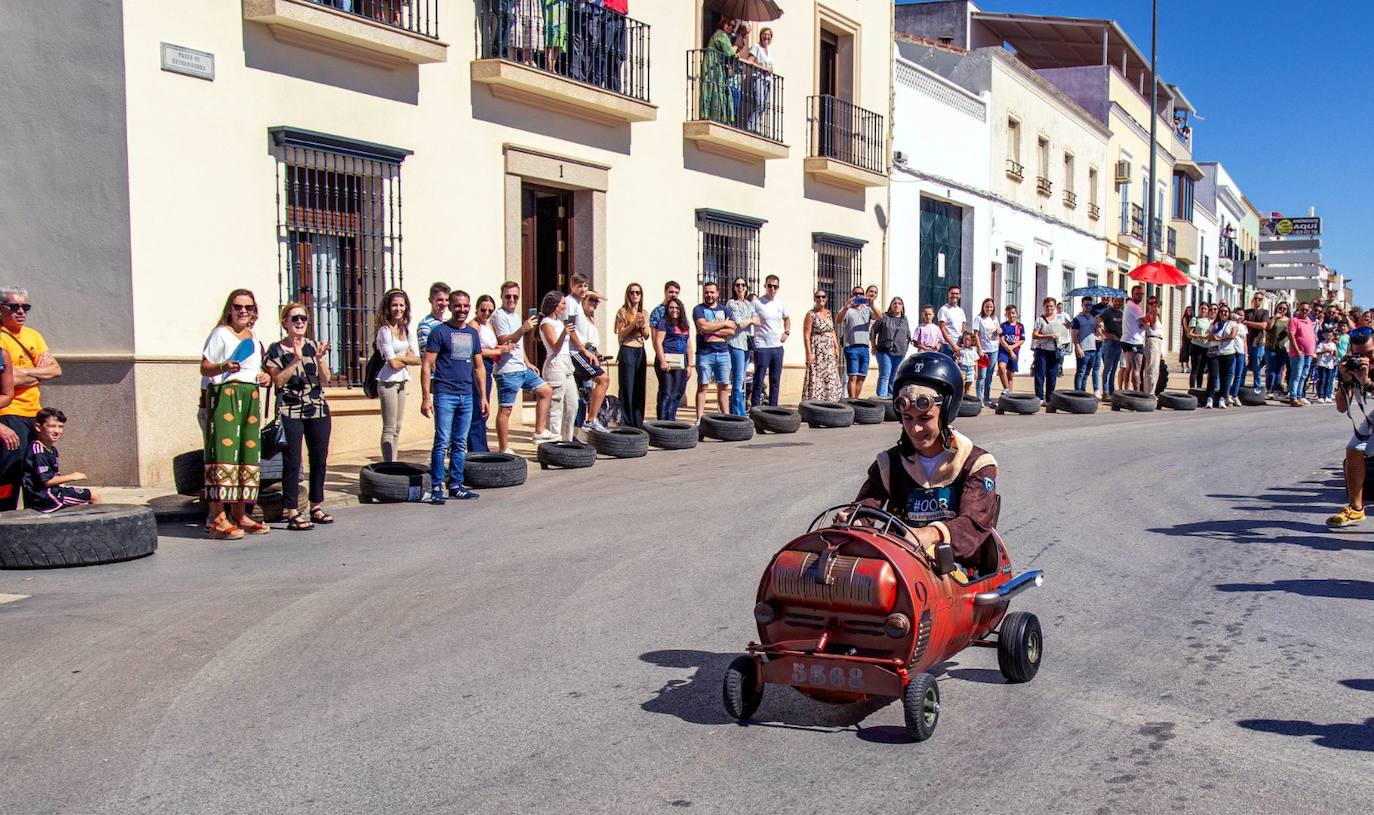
1200,395
969,407
726,427
1072,401
1139,401
921,706
188,472
866,411
393,482
1024,404
775,419
667,435
825,414
620,442
890,411
1173,400
494,470
741,690
569,455
1251,399
1020,646
76,536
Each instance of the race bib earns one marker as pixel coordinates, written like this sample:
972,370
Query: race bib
924,506
462,347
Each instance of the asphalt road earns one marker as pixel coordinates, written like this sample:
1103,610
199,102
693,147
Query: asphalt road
559,647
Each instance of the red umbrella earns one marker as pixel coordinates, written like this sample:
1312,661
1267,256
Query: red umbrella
1159,273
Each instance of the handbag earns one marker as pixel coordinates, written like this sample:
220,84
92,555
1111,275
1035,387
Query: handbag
370,372
272,438
675,362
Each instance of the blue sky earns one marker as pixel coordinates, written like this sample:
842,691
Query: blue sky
1287,95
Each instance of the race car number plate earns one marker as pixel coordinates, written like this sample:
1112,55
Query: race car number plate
835,675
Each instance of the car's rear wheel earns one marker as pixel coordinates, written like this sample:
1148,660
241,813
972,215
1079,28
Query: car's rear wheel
921,705
1020,646
742,692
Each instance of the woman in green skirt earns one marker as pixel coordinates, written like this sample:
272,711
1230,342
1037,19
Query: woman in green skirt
233,418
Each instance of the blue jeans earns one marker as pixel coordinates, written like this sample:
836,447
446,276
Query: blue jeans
1231,373
856,360
1237,375
1273,372
1046,369
887,365
1087,365
1297,375
477,430
739,363
984,381
1326,382
1111,357
452,418
770,360
670,395
1257,356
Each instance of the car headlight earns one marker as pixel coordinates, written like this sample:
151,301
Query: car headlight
764,613
897,626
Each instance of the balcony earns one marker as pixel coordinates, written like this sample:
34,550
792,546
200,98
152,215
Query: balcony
1171,244
1043,186
845,144
1133,225
384,33
734,108
1187,241
1015,170
1094,211
1070,199
570,57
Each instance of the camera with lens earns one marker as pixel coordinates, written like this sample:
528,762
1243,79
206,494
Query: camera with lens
1351,364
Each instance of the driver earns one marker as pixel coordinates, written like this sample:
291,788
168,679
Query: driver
934,479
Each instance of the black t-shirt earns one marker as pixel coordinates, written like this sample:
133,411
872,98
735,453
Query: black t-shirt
40,467
1257,315
1111,321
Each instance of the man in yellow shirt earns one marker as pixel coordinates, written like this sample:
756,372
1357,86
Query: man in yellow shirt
32,365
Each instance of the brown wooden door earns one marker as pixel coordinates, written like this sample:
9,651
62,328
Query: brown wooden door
546,252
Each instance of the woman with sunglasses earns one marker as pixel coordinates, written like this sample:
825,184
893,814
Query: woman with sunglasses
233,418
299,367
395,343
491,351
1219,361
673,353
1276,343
745,317
1240,340
824,361
632,329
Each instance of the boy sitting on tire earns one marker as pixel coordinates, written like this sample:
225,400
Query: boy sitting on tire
45,487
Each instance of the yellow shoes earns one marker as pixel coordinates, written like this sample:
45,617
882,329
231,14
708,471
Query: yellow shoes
1346,517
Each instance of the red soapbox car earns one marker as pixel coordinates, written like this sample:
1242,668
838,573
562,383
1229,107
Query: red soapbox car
855,608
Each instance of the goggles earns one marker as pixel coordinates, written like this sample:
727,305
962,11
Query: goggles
921,404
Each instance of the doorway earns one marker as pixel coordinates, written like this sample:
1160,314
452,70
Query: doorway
546,251
942,251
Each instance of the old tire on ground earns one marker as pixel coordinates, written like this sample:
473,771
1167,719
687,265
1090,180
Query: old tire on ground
741,691
188,472
570,455
826,414
725,427
620,442
1200,395
77,536
1024,404
1251,399
890,411
1072,401
921,706
866,411
775,419
270,507
969,408
270,469
494,470
1139,401
1173,400
1020,645
671,435
393,482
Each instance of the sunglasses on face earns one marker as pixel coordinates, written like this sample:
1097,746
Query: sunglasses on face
821,297
484,310
922,404
510,297
248,309
299,319
24,307
770,285
636,292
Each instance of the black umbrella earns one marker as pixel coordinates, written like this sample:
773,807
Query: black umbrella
760,10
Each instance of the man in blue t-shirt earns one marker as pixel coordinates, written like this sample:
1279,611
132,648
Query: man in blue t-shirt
1085,348
449,382
714,330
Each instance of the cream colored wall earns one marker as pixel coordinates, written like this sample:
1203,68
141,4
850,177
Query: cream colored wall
1042,112
203,178
1136,111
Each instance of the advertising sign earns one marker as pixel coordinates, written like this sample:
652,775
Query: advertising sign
1285,227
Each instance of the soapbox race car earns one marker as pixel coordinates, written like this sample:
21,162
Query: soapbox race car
855,608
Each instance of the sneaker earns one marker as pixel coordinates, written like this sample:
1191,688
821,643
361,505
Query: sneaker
437,498
508,451
462,494
1221,406
1303,401
1207,406
595,424
1346,517
547,435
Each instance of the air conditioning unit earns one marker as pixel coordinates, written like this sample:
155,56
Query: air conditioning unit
899,157
1123,172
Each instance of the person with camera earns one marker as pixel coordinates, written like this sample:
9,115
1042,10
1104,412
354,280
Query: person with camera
1353,394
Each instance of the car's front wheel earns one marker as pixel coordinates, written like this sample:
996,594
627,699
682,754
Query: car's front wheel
921,705
741,691
1020,646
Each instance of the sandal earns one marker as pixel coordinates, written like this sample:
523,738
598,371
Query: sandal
222,529
252,527
319,516
298,523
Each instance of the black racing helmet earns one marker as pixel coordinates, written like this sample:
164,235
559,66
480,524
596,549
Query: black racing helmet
934,370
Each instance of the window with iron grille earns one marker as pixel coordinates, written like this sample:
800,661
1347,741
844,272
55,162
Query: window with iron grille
338,238
727,247
839,266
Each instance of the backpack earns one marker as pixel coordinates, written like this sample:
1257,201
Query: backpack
370,371
612,413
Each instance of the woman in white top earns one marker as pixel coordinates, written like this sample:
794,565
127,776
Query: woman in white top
1219,361
556,331
1237,356
491,351
232,366
396,344
988,329
762,86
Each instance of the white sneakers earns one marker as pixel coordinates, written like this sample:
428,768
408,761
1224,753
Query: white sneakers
547,435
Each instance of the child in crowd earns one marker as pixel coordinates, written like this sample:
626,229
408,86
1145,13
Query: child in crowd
968,359
1327,354
44,484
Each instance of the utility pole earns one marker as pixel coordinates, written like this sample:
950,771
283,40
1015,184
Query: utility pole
1150,213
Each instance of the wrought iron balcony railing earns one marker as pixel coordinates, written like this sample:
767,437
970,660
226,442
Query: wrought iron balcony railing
1015,170
845,132
416,16
734,93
